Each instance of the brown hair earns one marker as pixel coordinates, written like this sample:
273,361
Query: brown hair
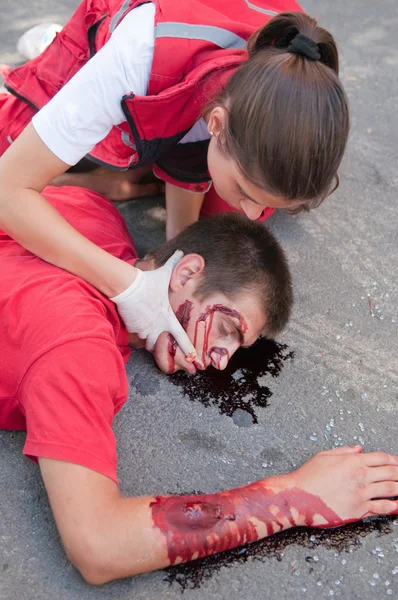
241,257
294,110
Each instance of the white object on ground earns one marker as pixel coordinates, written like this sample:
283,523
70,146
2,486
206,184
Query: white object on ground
34,41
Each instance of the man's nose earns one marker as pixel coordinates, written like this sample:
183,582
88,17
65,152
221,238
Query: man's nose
219,361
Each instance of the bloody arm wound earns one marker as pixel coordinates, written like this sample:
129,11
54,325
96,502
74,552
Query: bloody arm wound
199,525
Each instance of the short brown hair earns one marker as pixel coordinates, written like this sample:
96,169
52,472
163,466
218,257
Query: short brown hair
288,116
241,257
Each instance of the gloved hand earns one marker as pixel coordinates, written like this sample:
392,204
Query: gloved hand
145,307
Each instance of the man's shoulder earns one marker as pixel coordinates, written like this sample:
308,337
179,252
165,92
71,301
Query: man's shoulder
69,308
42,307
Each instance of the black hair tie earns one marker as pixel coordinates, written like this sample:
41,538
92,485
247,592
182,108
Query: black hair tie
305,46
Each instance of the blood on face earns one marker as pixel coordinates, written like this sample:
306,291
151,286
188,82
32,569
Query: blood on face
183,314
207,317
218,354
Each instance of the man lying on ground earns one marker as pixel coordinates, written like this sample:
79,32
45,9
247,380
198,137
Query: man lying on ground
62,378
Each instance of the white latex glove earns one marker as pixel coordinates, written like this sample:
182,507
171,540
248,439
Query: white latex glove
146,311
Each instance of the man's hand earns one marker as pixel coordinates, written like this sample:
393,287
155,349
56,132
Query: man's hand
145,307
353,485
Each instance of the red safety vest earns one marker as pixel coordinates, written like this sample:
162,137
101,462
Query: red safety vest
198,45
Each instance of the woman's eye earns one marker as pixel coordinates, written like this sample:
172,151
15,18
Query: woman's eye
245,198
241,195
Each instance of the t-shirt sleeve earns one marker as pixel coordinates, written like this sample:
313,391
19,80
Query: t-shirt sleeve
69,397
83,112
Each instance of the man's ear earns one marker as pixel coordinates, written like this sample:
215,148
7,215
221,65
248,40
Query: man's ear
187,271
217,120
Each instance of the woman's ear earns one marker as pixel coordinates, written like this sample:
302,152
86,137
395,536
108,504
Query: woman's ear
217,120
186,271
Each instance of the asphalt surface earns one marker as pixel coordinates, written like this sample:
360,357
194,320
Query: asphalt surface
341,387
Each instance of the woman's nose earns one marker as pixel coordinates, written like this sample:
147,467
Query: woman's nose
252,211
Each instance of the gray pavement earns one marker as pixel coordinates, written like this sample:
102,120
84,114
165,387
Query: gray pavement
341,387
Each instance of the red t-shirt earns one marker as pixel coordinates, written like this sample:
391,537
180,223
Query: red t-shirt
63,346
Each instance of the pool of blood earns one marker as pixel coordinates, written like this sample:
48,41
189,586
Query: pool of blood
240,385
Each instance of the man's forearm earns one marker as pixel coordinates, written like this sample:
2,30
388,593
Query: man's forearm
150,533
107,536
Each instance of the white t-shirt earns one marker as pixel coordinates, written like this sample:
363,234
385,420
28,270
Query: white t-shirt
83,112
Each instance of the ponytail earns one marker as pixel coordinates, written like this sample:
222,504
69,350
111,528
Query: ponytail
281,31
288,117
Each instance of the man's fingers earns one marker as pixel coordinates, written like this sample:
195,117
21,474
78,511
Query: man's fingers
180,335
378,459
384,489
347,450
173,260
384,473
382,507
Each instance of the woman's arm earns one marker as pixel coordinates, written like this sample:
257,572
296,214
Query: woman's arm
182,209
25,169
68,127
107,536
27,217
72,122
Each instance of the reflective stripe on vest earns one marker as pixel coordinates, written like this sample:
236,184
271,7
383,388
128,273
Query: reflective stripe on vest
116,18
126,139
125,6
261,10
217,35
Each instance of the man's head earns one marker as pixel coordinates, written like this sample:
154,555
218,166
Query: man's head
231,286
